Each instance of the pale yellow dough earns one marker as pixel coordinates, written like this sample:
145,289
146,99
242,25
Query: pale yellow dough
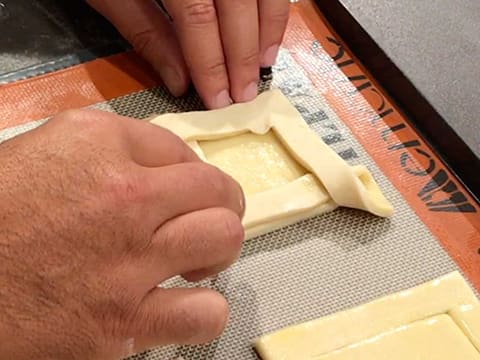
437,338
287,172
406,323
467,318
269,164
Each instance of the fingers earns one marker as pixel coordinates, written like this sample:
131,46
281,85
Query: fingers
221,43
273,22
153,146
197,27
179,316
179,189
146,27
200,244
239,28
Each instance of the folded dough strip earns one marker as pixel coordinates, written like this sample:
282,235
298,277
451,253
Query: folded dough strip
352,187
348,186
437,338
467,318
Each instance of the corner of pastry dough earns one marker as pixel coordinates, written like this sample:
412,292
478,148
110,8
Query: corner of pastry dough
373,198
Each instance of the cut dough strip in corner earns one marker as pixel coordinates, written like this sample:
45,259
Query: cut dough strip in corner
287,172
436,338
324,336
467,318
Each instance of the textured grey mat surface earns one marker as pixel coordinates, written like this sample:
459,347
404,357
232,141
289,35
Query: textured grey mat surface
312,268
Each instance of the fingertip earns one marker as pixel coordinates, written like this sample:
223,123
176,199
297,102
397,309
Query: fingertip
220,314
218,101
274,15
249,93
213,312
270,56
179,316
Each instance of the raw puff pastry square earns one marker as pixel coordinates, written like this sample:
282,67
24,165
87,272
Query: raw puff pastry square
287,172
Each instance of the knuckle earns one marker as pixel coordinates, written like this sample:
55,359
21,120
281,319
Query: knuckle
215,70
183,153
127,188
199,12
278,16
244,4
250,60
222,189
220,182
70,115
112,306
80,118
142,41
177,236
182,156
86,119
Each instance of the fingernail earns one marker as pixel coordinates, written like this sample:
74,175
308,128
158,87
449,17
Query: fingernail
250,92
222,100
173,81
270,56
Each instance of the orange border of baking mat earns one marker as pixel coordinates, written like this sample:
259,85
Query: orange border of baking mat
431,190
74,87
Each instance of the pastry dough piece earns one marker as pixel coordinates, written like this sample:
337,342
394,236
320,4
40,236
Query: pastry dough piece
310,200
352,326
287,172
258,162
437,338
468,319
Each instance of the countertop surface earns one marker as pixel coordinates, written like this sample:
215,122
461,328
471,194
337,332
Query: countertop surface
436,44
43,35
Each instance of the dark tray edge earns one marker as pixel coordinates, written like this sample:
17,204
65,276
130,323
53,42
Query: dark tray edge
77,58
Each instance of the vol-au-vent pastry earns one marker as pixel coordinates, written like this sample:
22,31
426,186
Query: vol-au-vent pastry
286,171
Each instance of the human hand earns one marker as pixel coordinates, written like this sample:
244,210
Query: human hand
96,210
218,44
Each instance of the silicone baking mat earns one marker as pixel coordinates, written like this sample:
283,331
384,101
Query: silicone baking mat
325,264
